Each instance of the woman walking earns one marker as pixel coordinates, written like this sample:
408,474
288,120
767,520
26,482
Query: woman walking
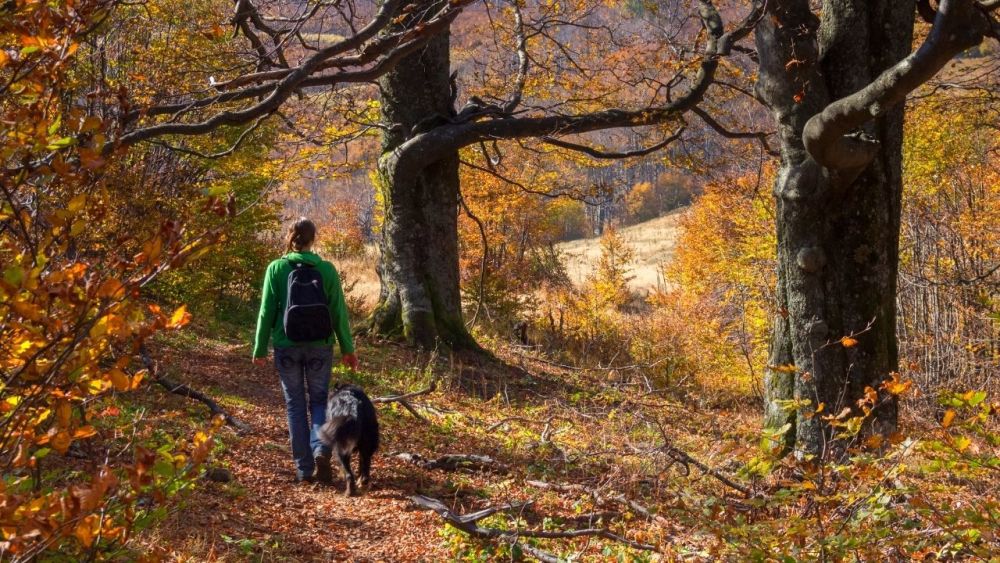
302,311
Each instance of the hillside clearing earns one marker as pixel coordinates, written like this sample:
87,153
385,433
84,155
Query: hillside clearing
652,241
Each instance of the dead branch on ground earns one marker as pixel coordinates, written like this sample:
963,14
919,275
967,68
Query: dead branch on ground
600,498
403,399
454,462
470,525
186,391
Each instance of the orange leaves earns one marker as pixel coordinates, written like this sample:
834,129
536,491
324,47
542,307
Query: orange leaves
848,342
949,416
87,529
896,386
110,288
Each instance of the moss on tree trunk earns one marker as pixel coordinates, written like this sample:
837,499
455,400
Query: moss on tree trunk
420,297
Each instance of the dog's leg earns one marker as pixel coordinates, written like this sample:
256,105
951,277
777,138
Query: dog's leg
365,467
345,463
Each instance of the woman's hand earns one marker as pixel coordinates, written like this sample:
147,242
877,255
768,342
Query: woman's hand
350,360
260,361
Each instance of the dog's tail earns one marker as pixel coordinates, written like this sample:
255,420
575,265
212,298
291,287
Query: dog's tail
329,431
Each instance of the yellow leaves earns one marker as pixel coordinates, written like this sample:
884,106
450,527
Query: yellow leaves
180,318
784,368
100,328
151,251
844,413
121,382
76,204
202,443
961,443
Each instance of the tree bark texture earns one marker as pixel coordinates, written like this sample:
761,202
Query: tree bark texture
420,297
835,87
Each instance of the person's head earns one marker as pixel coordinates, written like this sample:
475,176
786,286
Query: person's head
301,235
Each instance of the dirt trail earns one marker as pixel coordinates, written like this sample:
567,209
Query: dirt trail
264,515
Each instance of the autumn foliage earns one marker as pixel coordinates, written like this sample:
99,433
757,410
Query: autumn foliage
116,262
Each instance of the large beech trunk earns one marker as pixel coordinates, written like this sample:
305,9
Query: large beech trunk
837,229
420,297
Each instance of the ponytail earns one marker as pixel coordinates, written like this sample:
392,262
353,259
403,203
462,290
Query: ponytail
301,234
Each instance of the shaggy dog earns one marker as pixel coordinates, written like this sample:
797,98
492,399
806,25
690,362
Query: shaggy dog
351,426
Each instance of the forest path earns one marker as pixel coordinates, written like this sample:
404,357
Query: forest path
540,421
263,515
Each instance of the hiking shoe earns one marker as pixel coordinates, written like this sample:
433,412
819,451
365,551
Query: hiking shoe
301,477
324,474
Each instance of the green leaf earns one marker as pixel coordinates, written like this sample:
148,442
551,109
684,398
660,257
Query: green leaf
217,190
61,143
976,398
14,275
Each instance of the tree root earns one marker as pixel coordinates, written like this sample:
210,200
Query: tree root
185,391
454,462
469,524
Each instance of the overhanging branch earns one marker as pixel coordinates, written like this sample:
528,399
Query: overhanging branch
432,145
597,153
958,25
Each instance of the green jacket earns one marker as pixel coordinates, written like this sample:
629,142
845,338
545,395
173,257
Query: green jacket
272,305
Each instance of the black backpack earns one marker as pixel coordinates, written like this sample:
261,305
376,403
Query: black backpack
307,314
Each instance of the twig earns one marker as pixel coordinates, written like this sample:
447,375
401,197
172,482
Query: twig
403,399
469,524
599,497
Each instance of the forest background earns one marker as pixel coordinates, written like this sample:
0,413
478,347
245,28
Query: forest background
128,242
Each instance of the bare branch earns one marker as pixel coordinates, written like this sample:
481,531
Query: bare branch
454,462
469,524
522,60
721,130
239,141
387,51
434,144
596,153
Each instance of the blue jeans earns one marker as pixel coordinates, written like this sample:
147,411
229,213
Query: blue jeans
305,379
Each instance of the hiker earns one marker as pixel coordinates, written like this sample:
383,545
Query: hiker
302,310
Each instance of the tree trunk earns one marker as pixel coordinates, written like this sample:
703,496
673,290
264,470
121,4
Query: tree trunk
837,229
420,297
